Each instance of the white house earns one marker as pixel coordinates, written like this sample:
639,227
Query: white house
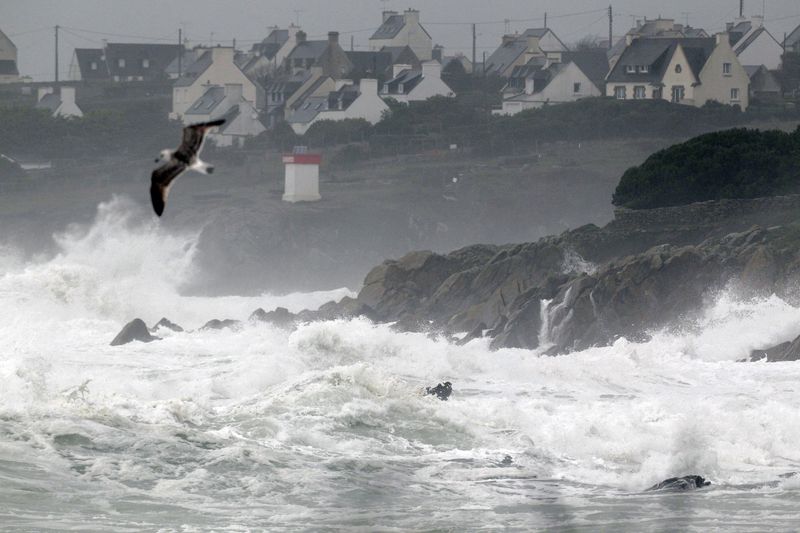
213,67
576,75
403,30
661,28
9,72
59,103
409,85
346,101
753,44
519,49
686,71
241,118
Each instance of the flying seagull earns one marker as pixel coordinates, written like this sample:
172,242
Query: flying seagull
176,162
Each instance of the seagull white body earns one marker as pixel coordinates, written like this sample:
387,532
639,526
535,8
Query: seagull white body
176,162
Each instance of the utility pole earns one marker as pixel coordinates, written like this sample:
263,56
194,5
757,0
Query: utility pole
57,53
474,40
180,52
610,27
352,43
741,9
545,20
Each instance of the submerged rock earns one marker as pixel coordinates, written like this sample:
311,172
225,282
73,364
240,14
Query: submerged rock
441,391
221,324
135,330
681,483
166,324
280,317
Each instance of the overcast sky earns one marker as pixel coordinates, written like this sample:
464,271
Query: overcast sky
86,23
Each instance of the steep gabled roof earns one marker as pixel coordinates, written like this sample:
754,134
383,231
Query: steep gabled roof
85,58
50,102
593,63
308,50
508,53
656,54
206,104
408,78
195,70
309,108
189,57
136,55
793,38
390,27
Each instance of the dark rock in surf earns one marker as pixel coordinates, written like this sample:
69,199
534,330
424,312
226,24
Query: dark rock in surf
476,333
786,351
135,330
346,308
166,324
441,391
681,483
280,317
221,324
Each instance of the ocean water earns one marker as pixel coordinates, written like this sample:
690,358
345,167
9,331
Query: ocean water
326,428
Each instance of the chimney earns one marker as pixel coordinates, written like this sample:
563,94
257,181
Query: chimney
438,52
508,39
431,69
397,68
233,92
757,20
629,38
387,14
68,95
411,16
41,92
222,53
333,37
722,37
300,36
368,86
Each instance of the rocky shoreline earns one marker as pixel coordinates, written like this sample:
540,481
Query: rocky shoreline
588,286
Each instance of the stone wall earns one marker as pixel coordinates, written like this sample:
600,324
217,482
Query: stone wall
768,210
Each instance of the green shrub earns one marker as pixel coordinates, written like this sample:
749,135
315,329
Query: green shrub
736,163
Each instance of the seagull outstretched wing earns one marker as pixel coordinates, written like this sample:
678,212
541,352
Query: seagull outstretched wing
193,137
161,181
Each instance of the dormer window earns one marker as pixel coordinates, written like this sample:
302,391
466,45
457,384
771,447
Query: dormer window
644,69
145,63
121,62
630,69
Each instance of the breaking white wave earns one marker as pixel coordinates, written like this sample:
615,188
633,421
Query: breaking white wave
326,426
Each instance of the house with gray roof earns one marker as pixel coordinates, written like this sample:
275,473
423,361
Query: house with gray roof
328,55
403,29
543,81
754,44
345,100
681,70
659,28
410,85
518,49
123,62
792,42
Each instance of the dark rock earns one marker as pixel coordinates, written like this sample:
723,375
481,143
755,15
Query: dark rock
135,330
221,324
786,351
507,460
280,317
441,391
681,483
346,308
476,333
165,323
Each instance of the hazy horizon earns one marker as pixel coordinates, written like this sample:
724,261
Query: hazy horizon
86,23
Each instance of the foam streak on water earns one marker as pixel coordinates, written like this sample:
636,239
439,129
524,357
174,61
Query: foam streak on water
326,426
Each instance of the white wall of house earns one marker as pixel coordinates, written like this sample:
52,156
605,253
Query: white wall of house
288,46
763,51
677,74
369,106
429,86
222,71
719,86
8,50
412,35
569,85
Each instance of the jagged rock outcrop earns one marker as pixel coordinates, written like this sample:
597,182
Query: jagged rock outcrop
135,330
681,483
280,317
166,324
786,351
221,324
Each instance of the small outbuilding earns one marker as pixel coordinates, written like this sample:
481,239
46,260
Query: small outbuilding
302,177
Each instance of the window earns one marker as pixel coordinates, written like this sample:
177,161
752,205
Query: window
644,69
630,69
93,66
620,93
658,94
121,62
678,93
726,69
639,92
735,95
678,69
576,87
145,63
